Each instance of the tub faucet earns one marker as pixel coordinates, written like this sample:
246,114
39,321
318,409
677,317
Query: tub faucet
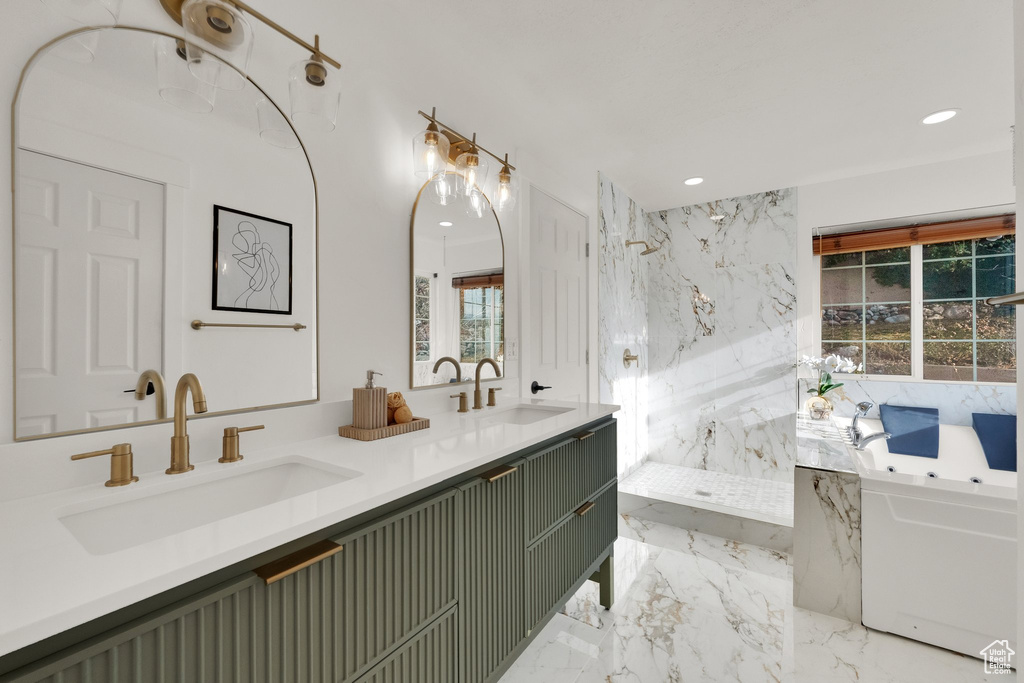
863,441
862,411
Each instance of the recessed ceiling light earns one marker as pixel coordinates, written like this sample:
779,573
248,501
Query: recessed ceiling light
697,180
445,224
939,116
716,217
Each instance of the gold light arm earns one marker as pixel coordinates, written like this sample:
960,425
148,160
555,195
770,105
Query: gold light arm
471,141
173,7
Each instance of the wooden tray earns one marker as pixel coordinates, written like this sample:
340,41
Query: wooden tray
351,432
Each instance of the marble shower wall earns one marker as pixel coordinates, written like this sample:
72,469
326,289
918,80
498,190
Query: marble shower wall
722,312
623,275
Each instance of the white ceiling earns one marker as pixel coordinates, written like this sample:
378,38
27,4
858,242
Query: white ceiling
750,95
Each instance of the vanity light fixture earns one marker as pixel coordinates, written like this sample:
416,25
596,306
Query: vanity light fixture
471,168
87,12
218,37
939,116
696,180
175,82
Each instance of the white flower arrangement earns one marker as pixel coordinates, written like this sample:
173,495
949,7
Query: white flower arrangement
825,367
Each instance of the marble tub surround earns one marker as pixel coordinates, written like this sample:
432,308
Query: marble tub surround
623,319
822,444
722,312
955,402
827,543
38,600
705,609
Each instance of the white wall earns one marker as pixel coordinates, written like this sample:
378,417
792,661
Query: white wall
365,179
951,186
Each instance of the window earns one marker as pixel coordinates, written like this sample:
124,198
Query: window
421,316
918,311
481,335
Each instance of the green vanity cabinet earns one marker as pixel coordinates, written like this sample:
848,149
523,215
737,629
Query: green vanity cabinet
491,603
444,589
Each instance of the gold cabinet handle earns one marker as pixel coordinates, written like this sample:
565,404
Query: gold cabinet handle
273,572
497,473
120,463
585,508
582,436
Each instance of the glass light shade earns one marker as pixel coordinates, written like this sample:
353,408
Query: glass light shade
441,190
274,128
471,168
176,83
87,12
315,91
219,42
80,48
430,153
476,205
507,191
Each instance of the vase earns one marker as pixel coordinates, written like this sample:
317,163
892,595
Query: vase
819,408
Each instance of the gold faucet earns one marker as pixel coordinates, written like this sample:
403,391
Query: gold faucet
157,379
120,463
179,442
449,359
478,399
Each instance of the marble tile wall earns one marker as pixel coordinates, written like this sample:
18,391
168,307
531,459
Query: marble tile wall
955,402
826,543
623,275
722,314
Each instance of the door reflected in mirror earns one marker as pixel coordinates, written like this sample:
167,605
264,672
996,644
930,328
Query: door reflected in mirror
120,162
458,289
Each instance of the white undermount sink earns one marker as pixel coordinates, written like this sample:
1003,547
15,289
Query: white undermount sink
522,415
128,523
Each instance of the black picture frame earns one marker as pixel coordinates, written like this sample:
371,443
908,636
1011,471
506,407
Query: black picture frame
248,269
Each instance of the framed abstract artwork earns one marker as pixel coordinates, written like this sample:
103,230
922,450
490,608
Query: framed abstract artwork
252,263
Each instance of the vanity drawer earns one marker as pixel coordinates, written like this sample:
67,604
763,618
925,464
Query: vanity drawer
559,479
557,562
429,657
335,619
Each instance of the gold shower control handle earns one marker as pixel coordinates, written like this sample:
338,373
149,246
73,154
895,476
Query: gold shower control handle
629,358
120,463
229,445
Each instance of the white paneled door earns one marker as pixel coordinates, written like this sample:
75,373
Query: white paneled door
89,283
558,299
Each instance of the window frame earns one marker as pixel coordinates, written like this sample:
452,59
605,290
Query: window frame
432,305
493,318
916,325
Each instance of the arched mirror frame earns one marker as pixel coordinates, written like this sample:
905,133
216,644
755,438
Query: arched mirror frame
14,147
412,294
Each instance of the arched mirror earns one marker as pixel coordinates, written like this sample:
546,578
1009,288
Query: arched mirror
145,201
458,290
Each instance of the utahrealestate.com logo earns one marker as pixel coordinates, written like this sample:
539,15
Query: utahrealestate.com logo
998,657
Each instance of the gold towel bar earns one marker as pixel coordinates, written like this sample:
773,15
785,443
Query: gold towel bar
199,324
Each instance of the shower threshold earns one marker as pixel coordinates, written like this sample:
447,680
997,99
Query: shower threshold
744,509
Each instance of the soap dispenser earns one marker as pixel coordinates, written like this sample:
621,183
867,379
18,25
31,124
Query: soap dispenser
370,404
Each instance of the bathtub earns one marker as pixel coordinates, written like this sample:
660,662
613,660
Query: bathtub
939,551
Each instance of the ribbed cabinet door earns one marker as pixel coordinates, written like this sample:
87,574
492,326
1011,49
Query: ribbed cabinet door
491,605
430,657
216,637
335,620
560,479
558,561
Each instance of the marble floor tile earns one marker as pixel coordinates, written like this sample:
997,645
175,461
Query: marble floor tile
702,608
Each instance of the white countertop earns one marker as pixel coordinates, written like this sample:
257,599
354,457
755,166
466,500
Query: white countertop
49,582
822,444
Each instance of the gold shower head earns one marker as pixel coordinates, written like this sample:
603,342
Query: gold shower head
648,249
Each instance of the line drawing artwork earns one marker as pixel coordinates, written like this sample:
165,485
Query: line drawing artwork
256,259
252,263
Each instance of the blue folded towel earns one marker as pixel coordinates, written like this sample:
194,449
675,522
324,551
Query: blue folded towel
915,431
998,436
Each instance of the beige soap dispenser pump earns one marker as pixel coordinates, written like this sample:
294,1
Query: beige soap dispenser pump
370,404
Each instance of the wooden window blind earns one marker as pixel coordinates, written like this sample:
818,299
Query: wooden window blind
932,233
474,281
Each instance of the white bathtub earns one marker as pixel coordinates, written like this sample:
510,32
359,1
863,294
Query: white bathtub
939,553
